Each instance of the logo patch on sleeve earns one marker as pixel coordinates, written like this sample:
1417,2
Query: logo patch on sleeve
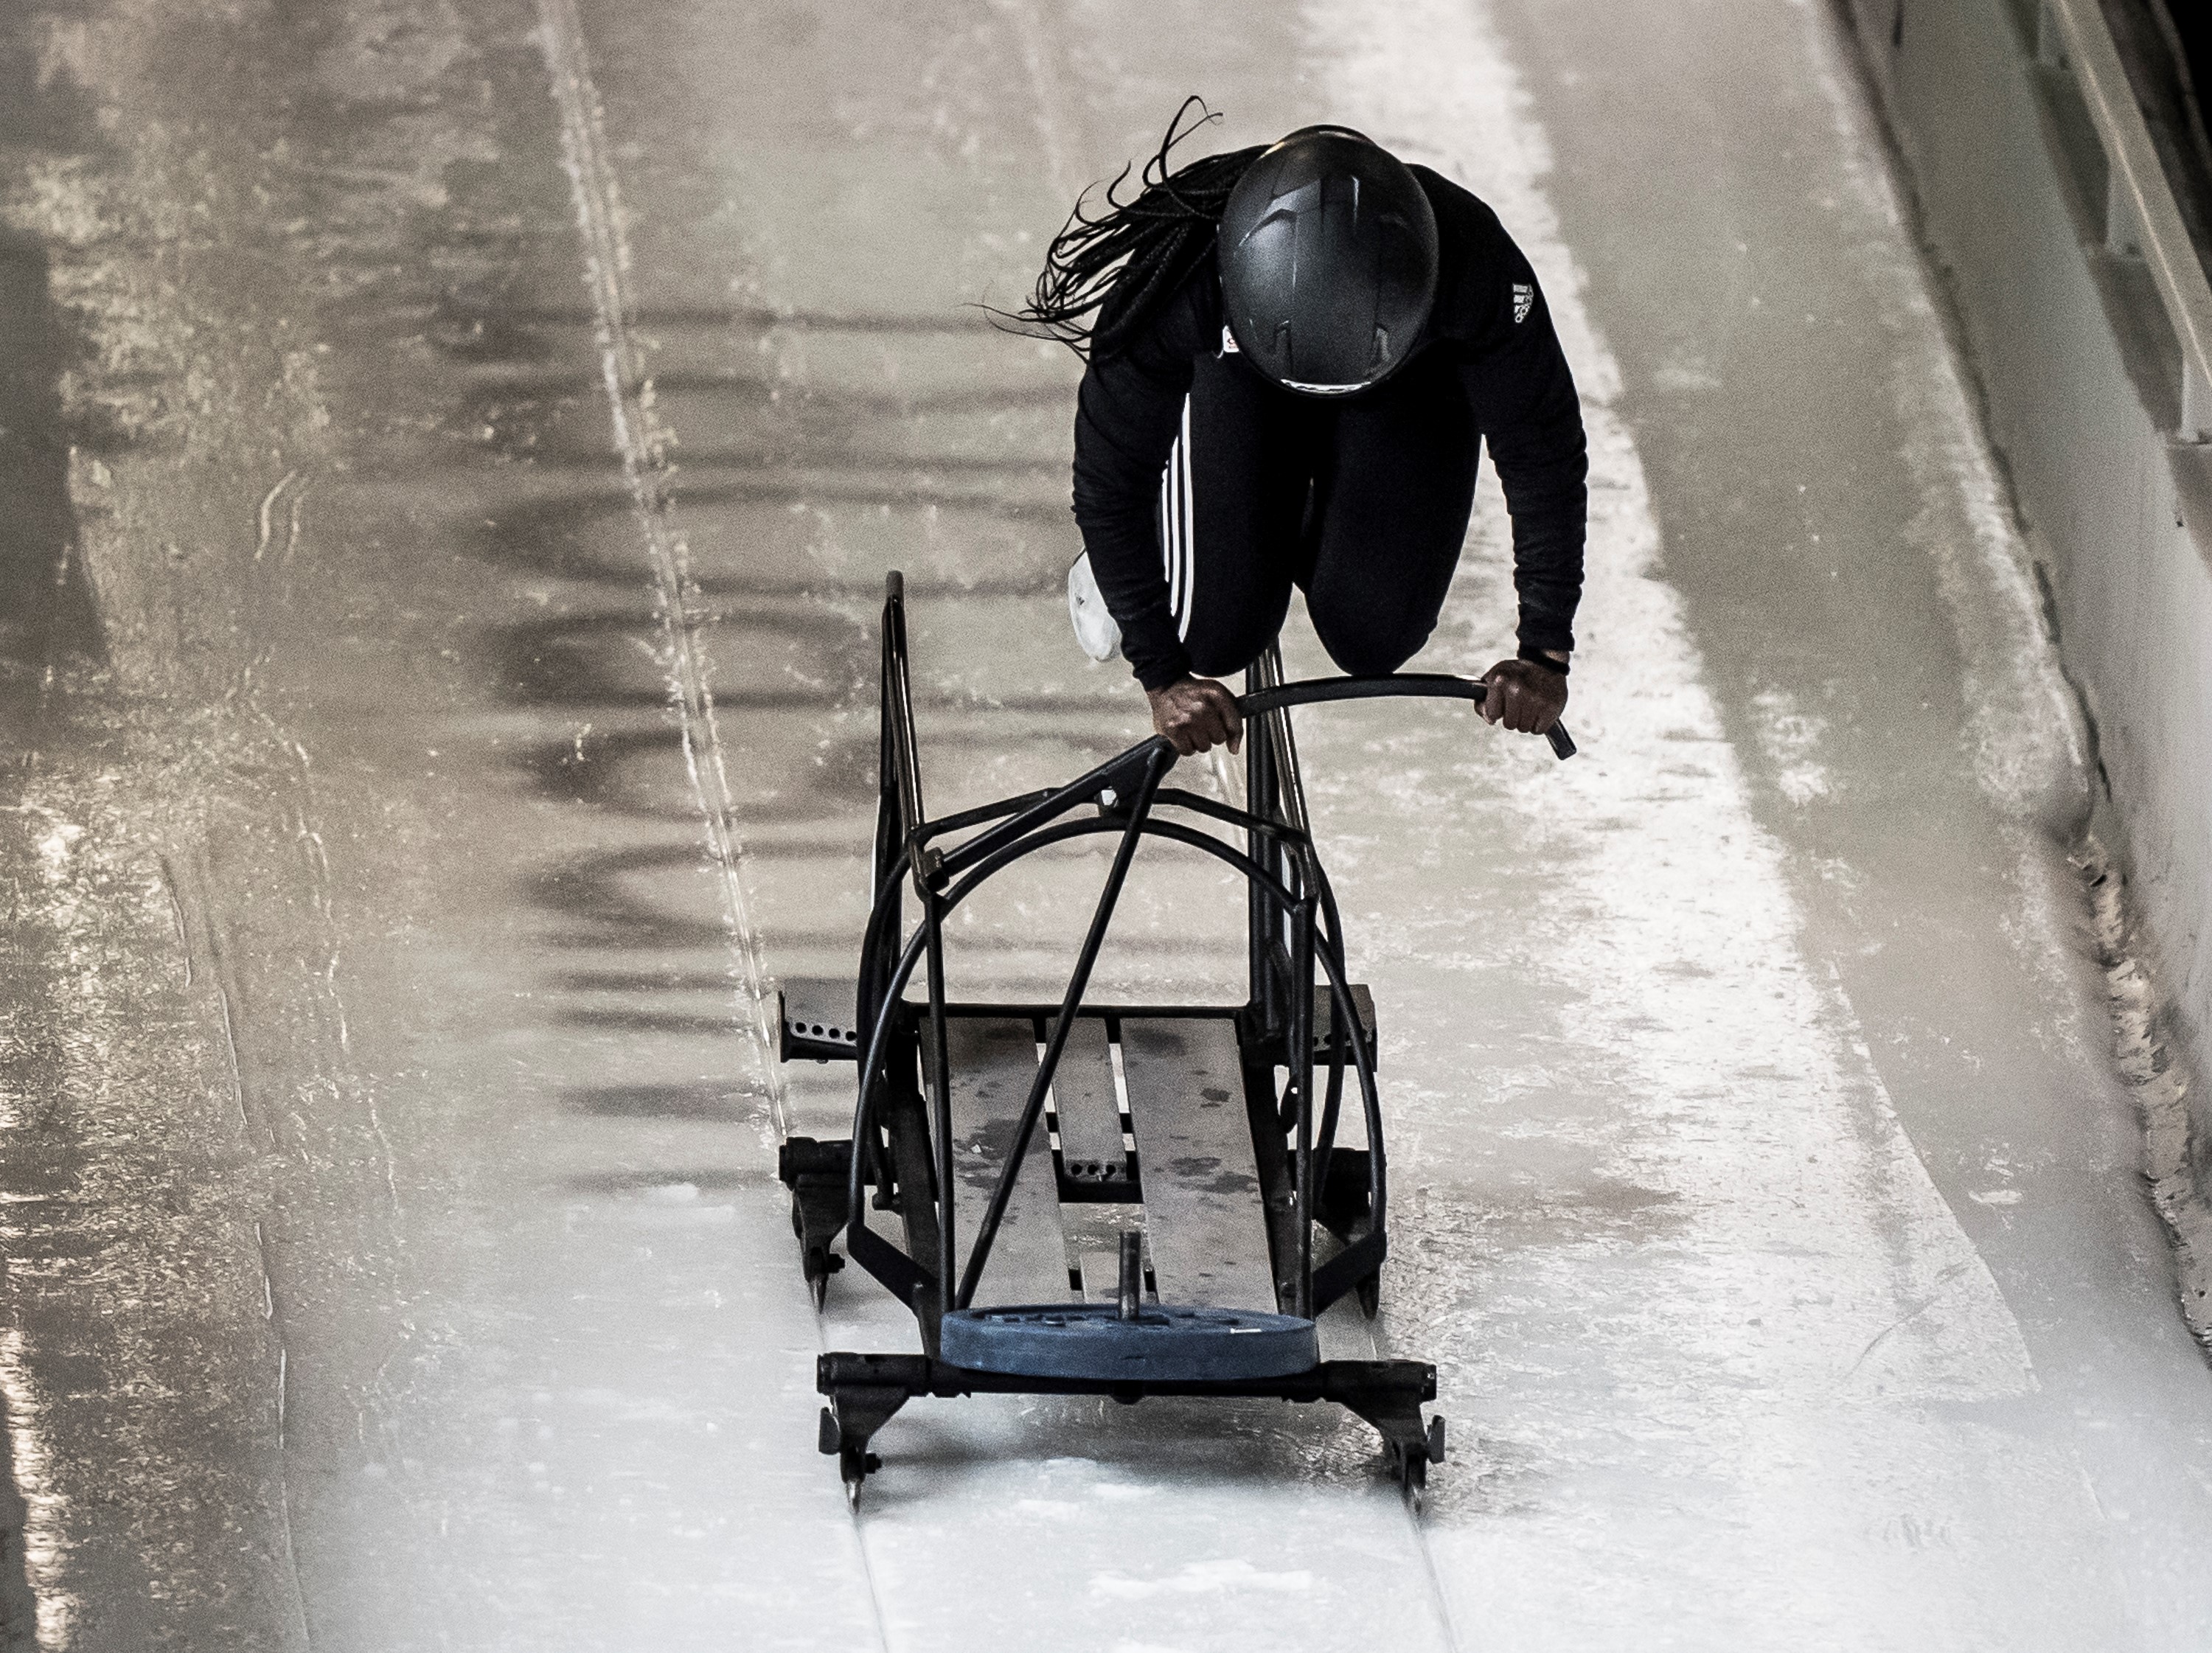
1229,341
1524,300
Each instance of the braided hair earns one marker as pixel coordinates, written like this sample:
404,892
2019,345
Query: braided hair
1103,276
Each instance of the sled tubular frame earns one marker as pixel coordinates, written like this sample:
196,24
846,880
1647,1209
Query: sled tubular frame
904,1143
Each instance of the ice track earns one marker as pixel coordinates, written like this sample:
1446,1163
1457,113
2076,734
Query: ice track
484,427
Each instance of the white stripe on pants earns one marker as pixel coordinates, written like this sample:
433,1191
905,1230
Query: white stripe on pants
1178,551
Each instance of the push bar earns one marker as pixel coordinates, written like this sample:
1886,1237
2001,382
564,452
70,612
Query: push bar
1434,686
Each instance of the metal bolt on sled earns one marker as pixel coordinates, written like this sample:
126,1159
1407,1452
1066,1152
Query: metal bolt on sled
1215,1128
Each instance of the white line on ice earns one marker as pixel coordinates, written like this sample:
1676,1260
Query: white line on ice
643,444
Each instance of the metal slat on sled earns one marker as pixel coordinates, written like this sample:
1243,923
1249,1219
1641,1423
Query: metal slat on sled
1090,1144
1204,1217
993,1063
1094,1157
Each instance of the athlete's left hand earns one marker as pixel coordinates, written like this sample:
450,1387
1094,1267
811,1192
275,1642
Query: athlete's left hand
1523,697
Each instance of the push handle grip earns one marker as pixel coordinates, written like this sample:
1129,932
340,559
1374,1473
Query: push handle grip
1430,685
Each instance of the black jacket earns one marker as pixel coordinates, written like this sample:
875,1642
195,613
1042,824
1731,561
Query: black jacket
1489,315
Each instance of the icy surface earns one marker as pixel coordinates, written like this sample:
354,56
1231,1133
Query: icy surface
470,441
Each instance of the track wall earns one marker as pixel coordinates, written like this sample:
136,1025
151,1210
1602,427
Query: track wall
2083,378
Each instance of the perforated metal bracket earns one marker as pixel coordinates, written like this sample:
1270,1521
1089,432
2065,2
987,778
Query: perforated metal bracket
804,1032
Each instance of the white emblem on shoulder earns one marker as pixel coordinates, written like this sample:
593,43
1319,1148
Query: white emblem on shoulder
1228,341
1524,300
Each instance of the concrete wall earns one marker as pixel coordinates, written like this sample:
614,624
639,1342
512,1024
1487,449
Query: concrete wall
2083,378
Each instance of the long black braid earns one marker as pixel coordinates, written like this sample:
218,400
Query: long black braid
1103,275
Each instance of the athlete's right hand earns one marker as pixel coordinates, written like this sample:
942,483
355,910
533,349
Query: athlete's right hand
1196,715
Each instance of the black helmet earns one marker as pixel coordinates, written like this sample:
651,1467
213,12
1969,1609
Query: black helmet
1328,261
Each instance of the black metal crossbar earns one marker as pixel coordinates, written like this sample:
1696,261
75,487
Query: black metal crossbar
1426,685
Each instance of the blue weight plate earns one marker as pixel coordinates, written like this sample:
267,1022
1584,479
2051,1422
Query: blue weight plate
1090,1341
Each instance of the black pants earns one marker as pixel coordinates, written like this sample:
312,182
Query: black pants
1362,504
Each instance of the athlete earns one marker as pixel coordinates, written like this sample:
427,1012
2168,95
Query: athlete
1294,355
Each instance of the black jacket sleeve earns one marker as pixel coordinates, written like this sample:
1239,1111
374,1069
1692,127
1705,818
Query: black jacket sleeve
1525,406
1127,414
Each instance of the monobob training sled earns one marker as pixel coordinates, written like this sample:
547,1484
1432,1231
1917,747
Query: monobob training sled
1188,1157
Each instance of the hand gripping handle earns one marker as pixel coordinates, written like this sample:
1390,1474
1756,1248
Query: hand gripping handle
1433,685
